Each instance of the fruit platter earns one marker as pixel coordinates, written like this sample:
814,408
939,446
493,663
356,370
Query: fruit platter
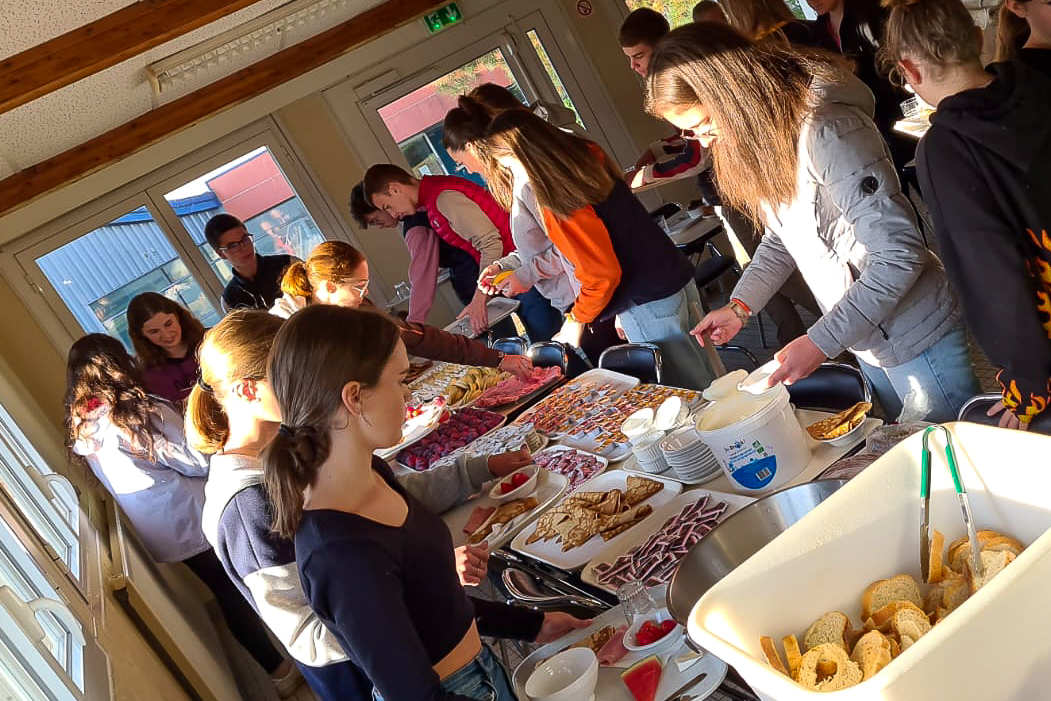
500,440
458,430
420,419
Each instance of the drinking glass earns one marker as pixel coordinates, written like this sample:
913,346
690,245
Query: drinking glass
635,600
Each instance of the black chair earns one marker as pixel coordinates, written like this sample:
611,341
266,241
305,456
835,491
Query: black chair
511,345
976,407
745,359
832,387
668,209
549,354
639,360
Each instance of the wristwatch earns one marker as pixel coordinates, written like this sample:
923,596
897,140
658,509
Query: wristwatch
740,310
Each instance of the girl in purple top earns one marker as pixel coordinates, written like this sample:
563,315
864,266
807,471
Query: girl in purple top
165,336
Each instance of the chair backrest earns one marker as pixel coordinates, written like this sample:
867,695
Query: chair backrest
640,360
548,354
832,387
666,210
974,410
511,345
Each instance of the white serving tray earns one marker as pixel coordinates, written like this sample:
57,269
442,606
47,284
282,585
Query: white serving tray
562,448
655,521
414,436
503,420
551,551
549,487
610,687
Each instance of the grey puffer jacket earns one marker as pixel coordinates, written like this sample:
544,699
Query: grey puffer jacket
853,236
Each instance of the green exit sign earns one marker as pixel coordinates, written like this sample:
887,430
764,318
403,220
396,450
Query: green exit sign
443,18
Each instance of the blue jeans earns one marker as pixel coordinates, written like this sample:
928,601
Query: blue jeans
484,679
667,323
539,316
932,386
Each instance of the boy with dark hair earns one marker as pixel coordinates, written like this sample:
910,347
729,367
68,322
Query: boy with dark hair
427,254
256,282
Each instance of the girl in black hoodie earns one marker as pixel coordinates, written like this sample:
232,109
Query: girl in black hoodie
985,171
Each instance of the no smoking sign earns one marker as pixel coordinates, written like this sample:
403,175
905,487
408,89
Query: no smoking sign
584,8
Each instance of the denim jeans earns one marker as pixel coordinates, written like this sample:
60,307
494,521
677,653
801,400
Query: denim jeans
667,323
484,679
538,315
932,386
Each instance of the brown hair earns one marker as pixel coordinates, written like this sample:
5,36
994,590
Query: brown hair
1012,32
467,126
99,368
317,351
936,33
566,171
757,96
234,349
643,26
703,8
757,19
141,309
381,176
331,261
495,98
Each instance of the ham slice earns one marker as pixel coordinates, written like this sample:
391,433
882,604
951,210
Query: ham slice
479,516
613,651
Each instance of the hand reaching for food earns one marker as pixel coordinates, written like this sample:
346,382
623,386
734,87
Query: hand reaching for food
518,365
556,624
504,464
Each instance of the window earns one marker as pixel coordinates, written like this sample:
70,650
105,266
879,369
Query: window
552,74
41,642
45,498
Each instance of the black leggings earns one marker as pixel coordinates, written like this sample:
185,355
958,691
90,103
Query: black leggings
242,619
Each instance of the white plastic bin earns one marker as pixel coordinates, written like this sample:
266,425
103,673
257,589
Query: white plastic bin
997,645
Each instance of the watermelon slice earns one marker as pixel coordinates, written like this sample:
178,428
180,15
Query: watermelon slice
643,677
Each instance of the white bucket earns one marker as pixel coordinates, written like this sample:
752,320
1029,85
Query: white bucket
763,452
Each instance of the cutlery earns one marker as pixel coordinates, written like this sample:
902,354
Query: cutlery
681,692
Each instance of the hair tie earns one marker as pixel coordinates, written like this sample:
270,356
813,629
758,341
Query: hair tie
205,387
286,431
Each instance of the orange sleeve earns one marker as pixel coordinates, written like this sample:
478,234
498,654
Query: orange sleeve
585,241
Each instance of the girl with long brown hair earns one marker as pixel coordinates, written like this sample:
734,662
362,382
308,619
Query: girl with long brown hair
135,445
772,20
795,146
1024,32
985,169
337,273
624,266
165,336
232,414
376,565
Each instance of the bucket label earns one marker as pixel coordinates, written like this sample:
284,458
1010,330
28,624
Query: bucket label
750,464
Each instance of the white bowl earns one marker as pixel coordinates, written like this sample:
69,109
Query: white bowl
638,424
674,636
518,492
671,413
571,675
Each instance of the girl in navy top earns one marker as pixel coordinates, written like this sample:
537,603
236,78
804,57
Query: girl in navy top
376,566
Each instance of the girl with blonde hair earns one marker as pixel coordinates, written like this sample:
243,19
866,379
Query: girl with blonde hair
795,147
1024,33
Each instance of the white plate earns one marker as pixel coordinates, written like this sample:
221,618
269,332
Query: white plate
551,551
549,487
498,308
563,448
610,687
653,523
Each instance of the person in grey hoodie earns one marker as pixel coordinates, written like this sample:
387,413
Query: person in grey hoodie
795,147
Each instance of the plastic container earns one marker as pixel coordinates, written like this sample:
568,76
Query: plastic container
994,646
756,439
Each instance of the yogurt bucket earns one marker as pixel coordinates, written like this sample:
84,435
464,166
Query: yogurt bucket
756,439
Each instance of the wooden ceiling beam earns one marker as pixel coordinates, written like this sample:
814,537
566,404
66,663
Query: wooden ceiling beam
103,43
122,141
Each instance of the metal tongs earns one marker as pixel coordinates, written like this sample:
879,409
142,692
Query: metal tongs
925,495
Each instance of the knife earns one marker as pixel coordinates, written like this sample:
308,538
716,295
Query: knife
687,686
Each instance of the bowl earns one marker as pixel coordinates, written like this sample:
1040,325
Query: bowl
674,636
571,675
518,492
638,424
847,438
671,413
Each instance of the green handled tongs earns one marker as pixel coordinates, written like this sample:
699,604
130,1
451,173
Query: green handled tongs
925,495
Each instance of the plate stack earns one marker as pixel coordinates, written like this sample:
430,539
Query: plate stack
648,453
690,459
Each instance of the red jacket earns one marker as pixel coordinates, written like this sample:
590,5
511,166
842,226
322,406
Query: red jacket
433,185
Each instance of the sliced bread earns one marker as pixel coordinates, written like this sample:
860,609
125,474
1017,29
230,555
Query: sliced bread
903,587
937,544
831,628
828,668
909,625
993,563
793,655
959,551
881,620
872,653
771,655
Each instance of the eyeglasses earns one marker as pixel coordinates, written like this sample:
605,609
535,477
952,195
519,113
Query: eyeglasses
361,287
235,246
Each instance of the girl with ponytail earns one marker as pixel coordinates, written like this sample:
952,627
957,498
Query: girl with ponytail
135,445
232,414
336,273
985,170
1024,33
377,567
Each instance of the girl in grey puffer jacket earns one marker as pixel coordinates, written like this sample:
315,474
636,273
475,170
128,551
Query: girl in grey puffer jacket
795,145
